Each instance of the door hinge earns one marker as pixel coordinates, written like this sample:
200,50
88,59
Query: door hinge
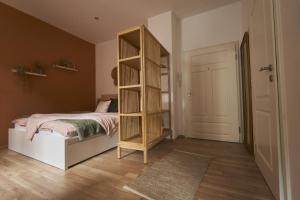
239,129
236,56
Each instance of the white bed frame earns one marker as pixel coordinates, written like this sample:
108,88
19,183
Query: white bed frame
60,152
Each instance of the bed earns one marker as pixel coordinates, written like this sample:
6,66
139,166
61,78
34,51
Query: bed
57,150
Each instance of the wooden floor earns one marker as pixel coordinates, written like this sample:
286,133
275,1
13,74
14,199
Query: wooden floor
232,174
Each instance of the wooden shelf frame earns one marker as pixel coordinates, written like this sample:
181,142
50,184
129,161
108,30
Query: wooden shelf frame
139,114
134,62
139,49
131,87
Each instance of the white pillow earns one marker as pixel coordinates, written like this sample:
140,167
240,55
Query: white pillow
102,106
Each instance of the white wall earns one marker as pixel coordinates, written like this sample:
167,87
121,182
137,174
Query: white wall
161,27
246,12
214,27
106,60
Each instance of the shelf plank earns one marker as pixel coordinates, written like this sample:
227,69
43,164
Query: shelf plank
154,113
131,87
136,139
131,145
164,92
65,68
154,63
31,73
134,62
153,87
132,36
130,114
164,74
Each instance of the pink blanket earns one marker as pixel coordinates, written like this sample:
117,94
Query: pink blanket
108,121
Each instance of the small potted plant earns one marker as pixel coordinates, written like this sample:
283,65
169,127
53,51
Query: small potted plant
21,72
38,68
65,63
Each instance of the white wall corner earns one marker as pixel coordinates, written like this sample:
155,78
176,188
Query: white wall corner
106,60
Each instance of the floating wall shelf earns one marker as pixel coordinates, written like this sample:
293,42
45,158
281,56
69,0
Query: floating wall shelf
31,73
66,68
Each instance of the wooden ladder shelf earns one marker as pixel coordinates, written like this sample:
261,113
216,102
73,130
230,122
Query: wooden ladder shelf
143,73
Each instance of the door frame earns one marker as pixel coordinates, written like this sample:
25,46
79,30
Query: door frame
246,87
185,90
283,156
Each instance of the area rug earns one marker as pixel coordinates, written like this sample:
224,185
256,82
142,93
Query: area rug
176,176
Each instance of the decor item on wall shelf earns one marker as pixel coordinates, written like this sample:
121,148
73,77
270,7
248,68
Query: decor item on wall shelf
37,68
23,71
65,64
114,75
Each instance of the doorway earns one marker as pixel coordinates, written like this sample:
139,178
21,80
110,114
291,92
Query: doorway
246,93
210,89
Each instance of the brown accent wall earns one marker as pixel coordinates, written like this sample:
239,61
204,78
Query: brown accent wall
25,40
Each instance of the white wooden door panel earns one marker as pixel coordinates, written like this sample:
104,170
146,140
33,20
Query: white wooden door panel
264,92
219,56
221,94
263,124
199,99
211,101
212,128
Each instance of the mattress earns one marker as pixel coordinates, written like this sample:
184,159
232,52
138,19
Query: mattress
52,133
70,140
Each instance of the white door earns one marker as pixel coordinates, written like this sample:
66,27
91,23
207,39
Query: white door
211,93
264,93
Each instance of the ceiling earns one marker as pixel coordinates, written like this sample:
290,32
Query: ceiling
77,16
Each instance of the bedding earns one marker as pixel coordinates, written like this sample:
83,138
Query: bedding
113,106
21,121
70,139
81,125
85,127
103,106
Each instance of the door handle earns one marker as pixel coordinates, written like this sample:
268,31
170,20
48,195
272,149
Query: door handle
189,94
268,68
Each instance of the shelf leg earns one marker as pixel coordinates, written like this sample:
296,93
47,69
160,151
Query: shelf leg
119,151
145,156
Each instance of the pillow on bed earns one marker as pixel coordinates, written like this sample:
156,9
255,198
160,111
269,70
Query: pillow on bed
21,121
103,106
113,107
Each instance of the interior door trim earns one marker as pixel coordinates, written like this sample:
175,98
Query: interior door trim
283,156
185,90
